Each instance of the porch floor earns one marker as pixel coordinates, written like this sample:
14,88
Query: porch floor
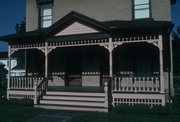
76,89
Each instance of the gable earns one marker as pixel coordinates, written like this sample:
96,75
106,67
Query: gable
76,28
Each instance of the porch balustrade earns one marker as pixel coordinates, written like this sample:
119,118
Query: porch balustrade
136,84
26,83
27,87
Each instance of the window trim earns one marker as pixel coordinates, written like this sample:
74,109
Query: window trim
39,11
133,11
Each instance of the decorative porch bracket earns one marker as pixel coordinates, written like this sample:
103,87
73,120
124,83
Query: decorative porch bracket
159,43
10,53
46,50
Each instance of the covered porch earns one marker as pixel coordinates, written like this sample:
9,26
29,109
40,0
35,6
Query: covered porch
78,54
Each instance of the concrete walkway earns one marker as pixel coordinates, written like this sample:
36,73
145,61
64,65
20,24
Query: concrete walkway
55,116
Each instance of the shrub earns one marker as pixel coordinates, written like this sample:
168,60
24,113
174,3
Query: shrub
3,101
26,102
161,110
142,109
136,109
21,102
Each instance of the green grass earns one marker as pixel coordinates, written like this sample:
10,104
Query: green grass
2,91
115,117
12,113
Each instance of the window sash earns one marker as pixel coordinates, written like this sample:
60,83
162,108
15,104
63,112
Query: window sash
46,15
141,9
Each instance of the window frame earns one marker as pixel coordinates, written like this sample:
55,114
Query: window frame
40,22
133,11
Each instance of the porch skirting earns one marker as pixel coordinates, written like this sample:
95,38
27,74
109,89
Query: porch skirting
138,98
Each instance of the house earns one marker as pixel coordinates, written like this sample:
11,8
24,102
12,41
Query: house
17,65
91,55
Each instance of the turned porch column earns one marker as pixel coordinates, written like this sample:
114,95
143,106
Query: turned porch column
110,48
9,65
161,64
110,58
46,64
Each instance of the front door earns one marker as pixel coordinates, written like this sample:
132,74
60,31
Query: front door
73,71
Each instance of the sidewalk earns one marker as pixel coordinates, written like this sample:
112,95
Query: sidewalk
55,116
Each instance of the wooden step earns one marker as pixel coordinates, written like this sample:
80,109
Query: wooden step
75,93
74,108
74,103
74,98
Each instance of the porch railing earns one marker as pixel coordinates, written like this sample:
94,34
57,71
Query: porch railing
26,83
136,84
40,90
20,86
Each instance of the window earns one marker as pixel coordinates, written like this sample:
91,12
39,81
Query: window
46,15
141,9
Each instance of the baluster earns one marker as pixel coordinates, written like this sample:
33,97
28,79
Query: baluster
115,85
135,84
122,85
143,84
157,84
19,79
139,79
10,83
151,86
119,84
29,82
14,82
20,83
148,83
131,84
32,83
23,84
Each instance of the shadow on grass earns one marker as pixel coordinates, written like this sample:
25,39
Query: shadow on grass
14,113
115,117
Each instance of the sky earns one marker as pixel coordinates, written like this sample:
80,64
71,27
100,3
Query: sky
13,12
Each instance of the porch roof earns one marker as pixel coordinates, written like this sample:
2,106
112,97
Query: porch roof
105,29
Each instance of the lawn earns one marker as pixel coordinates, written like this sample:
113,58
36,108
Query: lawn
13,113
115,117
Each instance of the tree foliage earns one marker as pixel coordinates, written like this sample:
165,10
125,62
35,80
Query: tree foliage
176,50
21,27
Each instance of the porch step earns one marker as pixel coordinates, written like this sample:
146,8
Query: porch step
73,108
79,103
99,99
75,93
73,101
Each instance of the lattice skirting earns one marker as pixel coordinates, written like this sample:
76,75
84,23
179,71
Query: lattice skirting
132,98
20,94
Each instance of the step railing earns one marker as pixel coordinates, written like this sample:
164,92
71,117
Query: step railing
136,84
40,90
23,87
24,83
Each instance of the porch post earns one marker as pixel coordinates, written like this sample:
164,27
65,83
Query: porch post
9,71
161,64
110,58
110,48
46,64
